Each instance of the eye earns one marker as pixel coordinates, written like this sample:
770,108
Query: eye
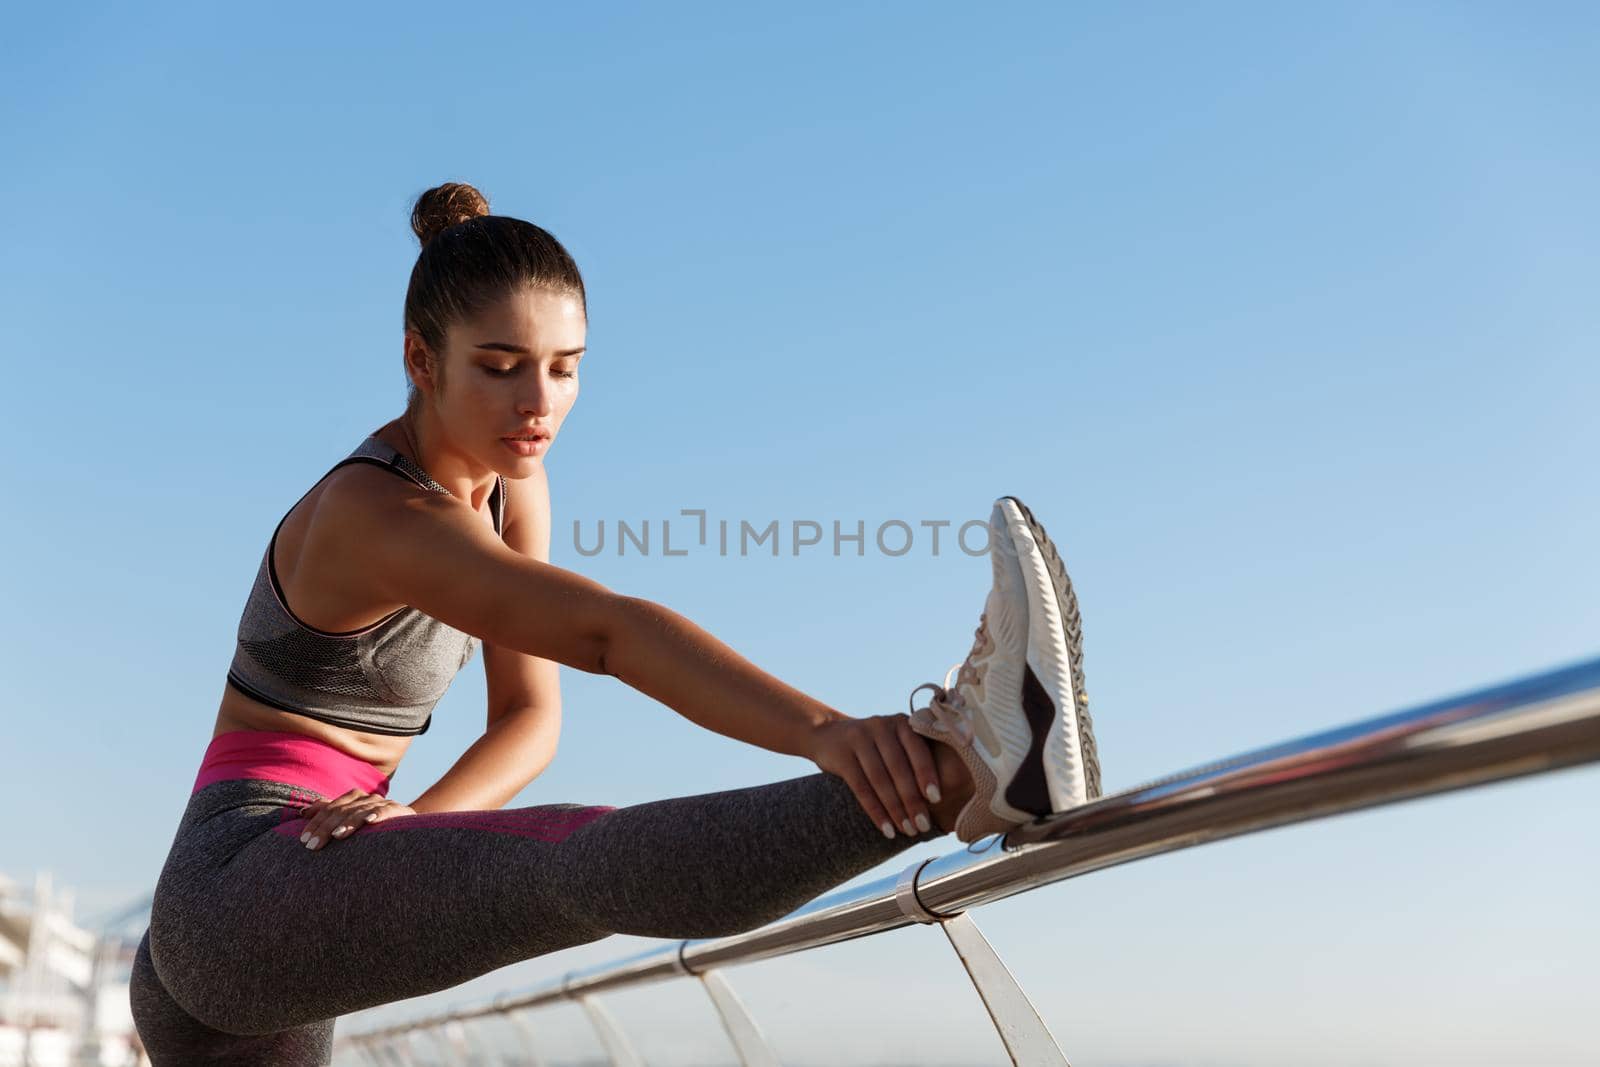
565,373
500,372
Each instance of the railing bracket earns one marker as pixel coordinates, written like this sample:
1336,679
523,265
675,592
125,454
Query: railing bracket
905,895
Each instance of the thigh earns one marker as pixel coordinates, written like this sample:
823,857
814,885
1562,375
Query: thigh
276,935
173,1038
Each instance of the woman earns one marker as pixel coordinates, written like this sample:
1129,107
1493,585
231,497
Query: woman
296,890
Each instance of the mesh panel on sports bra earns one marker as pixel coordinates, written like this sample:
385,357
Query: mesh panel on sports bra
313,662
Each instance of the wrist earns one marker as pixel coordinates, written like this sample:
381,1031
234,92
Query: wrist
815,722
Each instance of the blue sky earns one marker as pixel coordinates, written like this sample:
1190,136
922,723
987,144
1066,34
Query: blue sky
1280,319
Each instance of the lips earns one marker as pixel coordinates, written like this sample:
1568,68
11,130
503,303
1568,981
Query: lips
529,435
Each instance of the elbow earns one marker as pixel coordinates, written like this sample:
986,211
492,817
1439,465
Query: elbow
604,637
576,627
592,654
620,620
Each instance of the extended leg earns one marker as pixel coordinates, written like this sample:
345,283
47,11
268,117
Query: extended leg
254,934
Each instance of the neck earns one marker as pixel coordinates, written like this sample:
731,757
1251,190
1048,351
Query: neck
419,439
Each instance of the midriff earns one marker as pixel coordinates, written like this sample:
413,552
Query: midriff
239,712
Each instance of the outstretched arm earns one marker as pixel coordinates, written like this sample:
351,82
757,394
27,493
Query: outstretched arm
435,554
666,656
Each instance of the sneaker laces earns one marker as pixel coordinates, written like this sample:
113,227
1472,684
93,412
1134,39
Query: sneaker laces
944,708
948,708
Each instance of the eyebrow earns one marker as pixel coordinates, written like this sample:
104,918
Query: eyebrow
503,346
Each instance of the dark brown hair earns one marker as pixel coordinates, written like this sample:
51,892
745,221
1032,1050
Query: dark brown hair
470,259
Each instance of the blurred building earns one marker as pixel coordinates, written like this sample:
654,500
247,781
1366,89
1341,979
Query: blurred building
64,988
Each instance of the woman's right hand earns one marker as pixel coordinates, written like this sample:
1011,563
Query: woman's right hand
887,765
329,820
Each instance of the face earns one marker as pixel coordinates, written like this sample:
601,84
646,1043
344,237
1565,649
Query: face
509,371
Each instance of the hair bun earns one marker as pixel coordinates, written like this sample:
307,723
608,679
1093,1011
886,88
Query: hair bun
445,206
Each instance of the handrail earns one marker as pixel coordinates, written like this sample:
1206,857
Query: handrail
1532,725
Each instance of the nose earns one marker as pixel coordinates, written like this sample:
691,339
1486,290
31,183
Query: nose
534,399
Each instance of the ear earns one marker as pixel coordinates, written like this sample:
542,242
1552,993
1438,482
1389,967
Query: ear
421,362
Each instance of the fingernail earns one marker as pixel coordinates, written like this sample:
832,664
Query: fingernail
313,842
933,793
341,831
888,829
905,824
305,836
923,824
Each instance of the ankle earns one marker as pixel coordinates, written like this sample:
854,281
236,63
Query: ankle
955,785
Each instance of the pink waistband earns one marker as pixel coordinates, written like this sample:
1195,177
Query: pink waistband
292,758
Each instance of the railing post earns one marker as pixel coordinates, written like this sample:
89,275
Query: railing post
390,1053
612,1039
1025,1034
467,1044
402,1050
1027,1039
436,1035
530,1036
366,1051
410,1037
748,1040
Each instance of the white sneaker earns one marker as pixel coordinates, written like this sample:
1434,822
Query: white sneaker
1017,715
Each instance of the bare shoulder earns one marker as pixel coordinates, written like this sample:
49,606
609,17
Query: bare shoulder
359,494
386,542
323,552
363,505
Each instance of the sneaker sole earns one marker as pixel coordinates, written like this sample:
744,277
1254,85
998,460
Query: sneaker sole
1053,695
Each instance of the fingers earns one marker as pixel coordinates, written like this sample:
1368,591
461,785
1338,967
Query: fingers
310,811
867,797
888,767
905,799
340,817
920,752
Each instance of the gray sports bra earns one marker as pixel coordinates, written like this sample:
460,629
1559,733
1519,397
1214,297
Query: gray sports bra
384,678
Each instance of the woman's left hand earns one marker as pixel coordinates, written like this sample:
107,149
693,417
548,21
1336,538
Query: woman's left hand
888,766
330,820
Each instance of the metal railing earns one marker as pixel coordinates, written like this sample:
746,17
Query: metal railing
1532,725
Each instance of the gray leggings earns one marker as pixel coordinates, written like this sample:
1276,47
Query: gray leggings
256,943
